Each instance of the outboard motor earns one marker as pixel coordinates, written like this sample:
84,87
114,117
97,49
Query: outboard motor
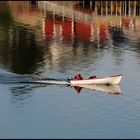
70,78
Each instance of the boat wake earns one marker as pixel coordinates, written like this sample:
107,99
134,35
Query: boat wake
17,78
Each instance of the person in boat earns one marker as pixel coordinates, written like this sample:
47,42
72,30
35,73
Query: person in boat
78,77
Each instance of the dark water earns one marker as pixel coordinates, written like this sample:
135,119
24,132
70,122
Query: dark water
56,43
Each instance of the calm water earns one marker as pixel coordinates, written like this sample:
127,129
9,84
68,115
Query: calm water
57,43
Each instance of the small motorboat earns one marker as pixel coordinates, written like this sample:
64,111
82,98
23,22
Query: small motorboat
77,80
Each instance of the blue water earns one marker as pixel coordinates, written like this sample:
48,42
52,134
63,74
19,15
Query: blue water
58,111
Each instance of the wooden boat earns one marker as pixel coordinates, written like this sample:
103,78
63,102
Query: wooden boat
110,80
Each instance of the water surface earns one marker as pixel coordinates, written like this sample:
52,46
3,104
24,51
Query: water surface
37,40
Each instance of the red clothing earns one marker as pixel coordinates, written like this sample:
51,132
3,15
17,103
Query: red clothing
78,77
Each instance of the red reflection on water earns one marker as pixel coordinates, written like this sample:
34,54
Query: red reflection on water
102,32
67,30
126,22
82,31
48,28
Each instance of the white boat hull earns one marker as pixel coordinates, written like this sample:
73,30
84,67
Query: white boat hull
113,79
